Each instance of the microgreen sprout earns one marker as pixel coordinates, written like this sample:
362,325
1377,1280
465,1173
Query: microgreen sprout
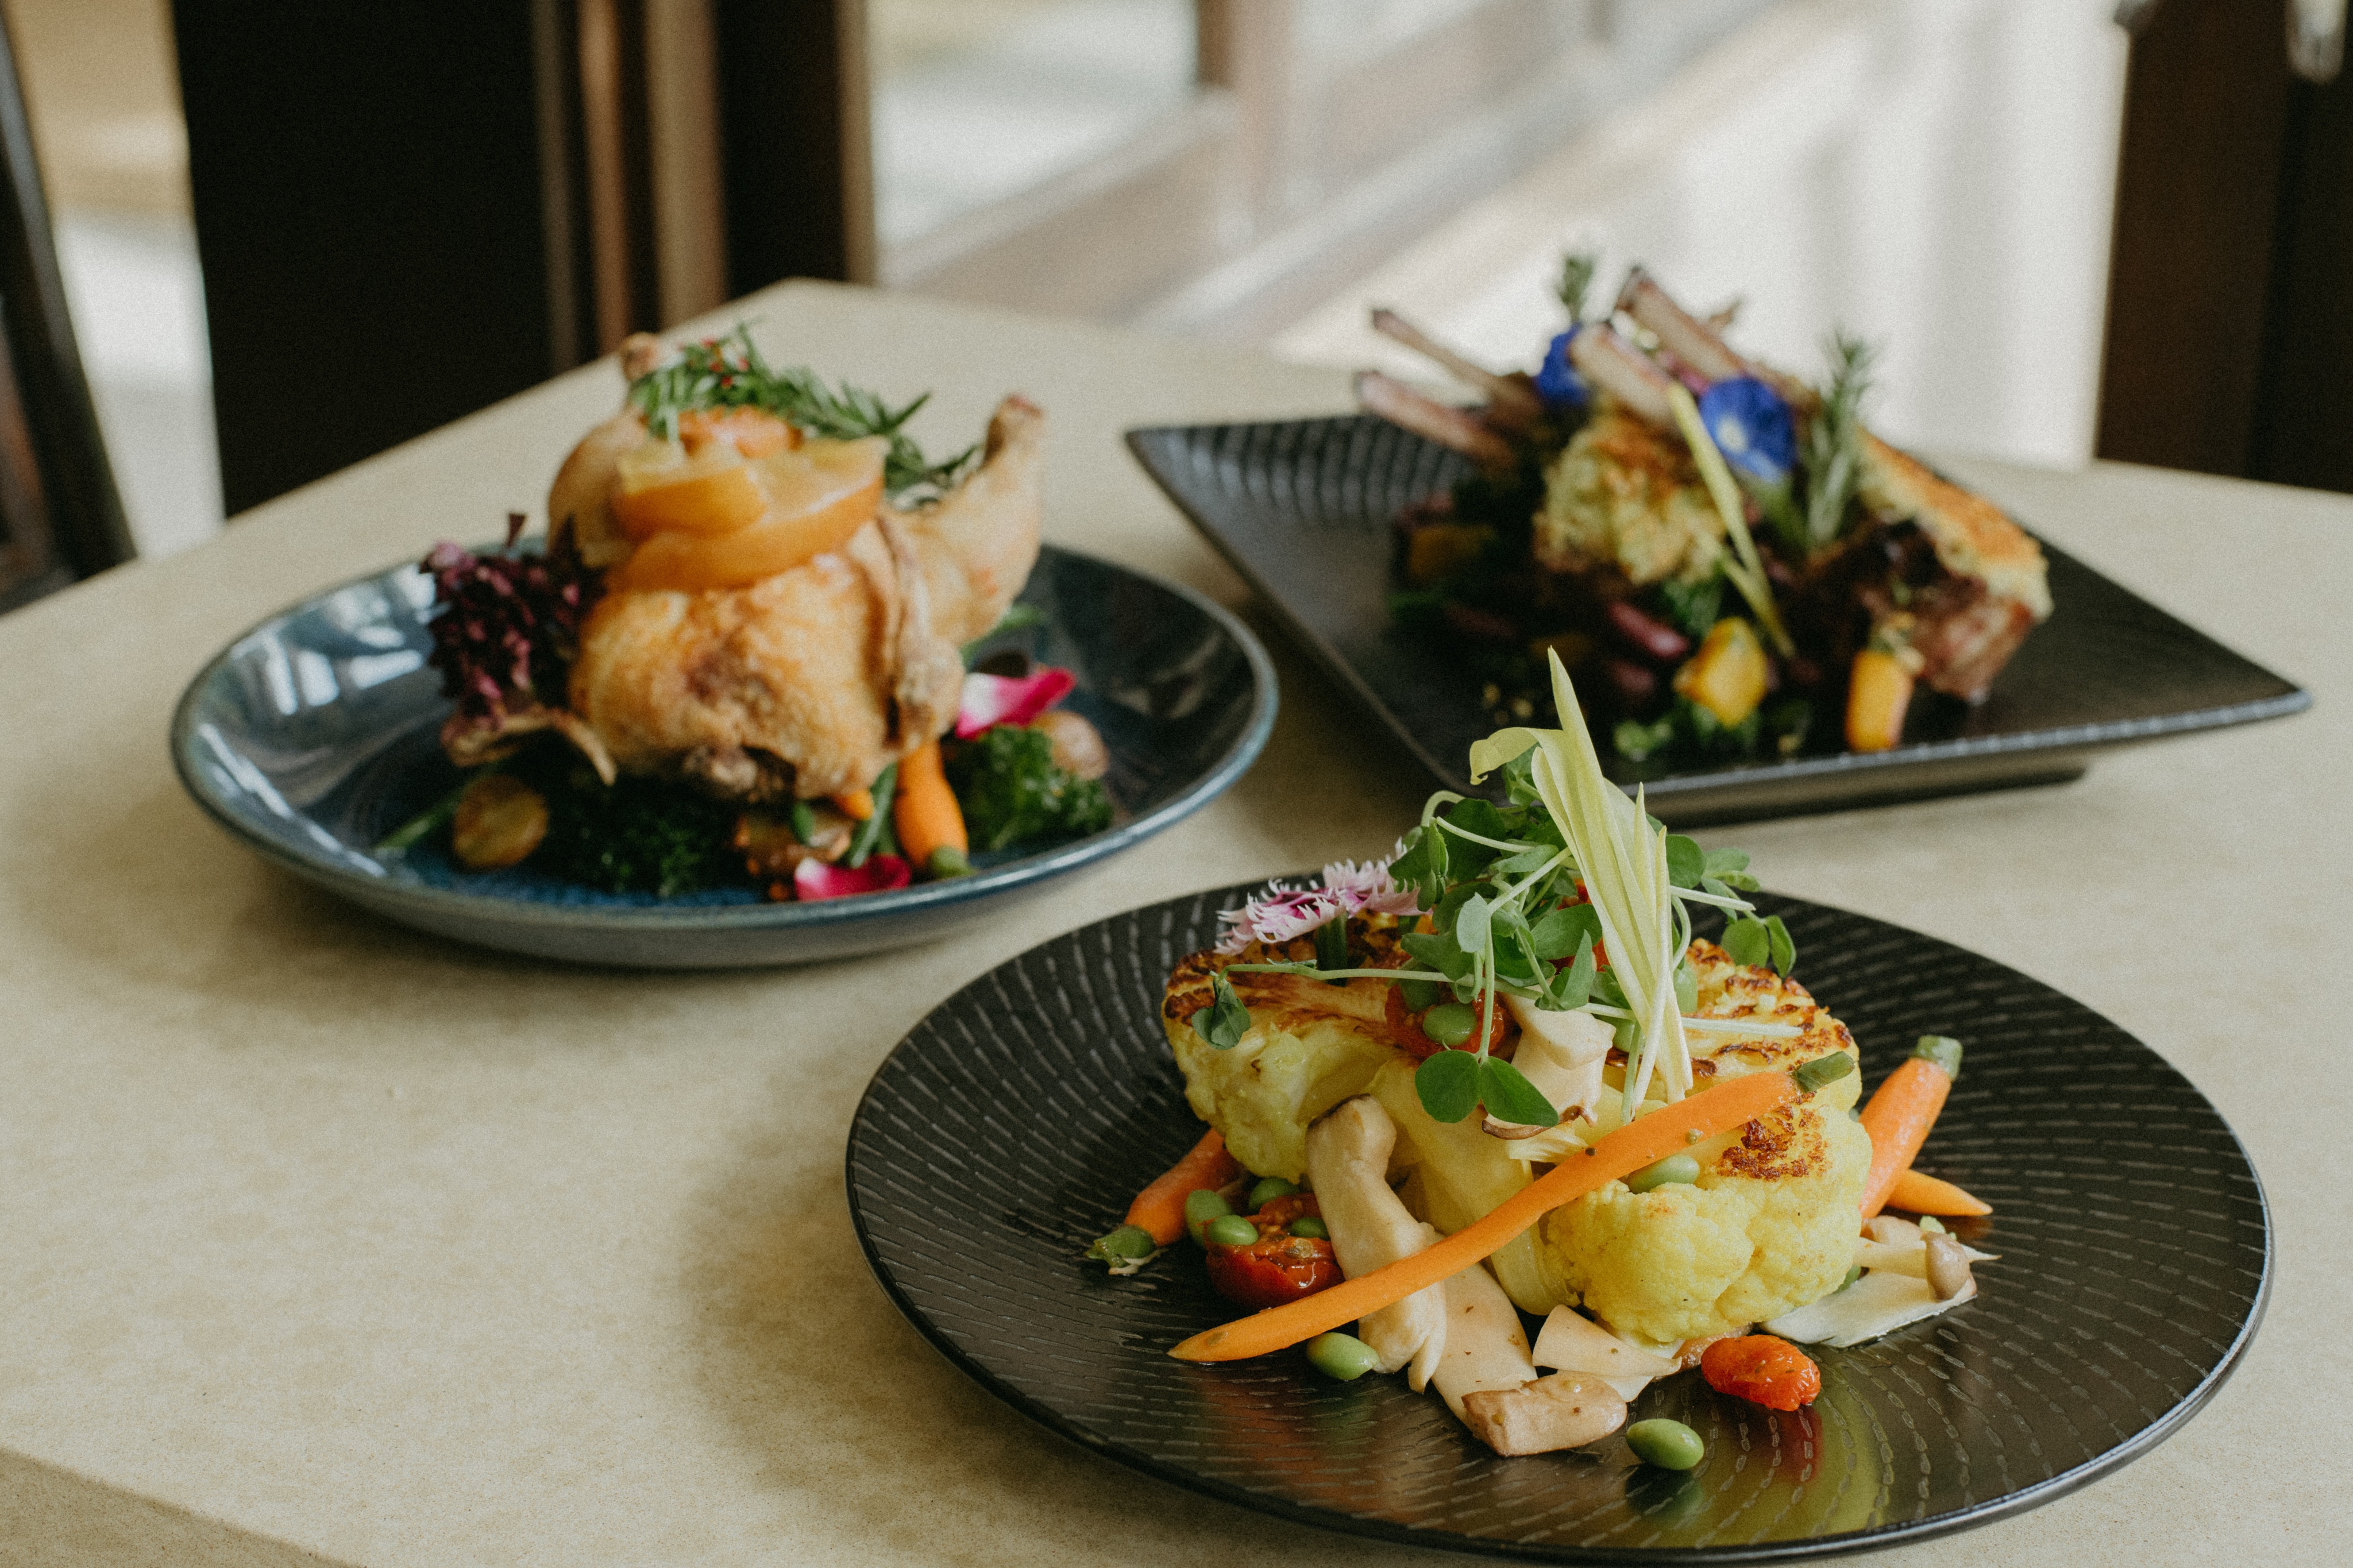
1565,897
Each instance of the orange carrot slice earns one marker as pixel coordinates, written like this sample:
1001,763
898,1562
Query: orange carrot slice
1916,1194
1904,1107
1645,1140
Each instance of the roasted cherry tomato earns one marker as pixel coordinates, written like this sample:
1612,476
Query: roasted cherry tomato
1762,1370
1278,1267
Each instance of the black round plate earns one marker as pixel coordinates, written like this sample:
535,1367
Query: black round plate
1013,1124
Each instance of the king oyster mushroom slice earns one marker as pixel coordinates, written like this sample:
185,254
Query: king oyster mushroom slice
1567,1410
1347,1162
1463,1335
1948,1266
1561,1055
1571,1341
1879,1303
1879,1256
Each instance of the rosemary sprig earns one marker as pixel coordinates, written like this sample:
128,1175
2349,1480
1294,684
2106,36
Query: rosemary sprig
1576,270
730,373
1834,439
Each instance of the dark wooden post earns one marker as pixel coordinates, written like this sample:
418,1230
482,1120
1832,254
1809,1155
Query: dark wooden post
2229,338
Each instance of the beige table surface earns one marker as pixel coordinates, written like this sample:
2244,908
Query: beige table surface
323,1240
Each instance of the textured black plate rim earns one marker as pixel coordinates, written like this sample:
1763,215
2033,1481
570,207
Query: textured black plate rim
2060,747
1841,1544
832,914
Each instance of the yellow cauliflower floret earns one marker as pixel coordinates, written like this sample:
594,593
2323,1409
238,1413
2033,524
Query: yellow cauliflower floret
1623,494
1289,1069
1769,1226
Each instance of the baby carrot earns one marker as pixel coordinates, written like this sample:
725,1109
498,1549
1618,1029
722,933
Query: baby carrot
1159,1209
1643,1141
1916,1194
1903,1110
858,804
925,812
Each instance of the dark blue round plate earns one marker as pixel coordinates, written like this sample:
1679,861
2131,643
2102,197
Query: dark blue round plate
315,734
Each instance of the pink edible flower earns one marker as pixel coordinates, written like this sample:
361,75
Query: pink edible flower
1278,915
991,700
1368,889
1283,914
813,878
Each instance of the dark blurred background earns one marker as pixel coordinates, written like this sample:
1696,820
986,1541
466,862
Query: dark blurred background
293,235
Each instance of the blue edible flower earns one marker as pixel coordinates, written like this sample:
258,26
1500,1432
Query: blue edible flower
1752,429
1557,382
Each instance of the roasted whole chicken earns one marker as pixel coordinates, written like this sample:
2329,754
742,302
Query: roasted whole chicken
771,627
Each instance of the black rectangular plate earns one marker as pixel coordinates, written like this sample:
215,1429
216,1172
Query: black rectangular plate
1302,510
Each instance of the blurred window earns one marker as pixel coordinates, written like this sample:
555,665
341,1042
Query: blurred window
978,100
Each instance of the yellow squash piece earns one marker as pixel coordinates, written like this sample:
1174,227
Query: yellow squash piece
1727,676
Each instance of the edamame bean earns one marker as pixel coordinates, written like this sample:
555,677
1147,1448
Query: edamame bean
1674,1168
1853,1274
1231,1230
1670,1445
1450,1023
1420,993
1342,1357
1308,1226
1201,1206
1269,1188
1128,1241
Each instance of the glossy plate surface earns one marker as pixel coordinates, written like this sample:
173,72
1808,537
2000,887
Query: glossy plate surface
316,733
1302,509
1010,1128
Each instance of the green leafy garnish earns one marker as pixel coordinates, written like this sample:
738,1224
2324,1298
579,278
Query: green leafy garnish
1448,1084
635,835
1761,943
730,372
1013,793
1225,1020
1510,1096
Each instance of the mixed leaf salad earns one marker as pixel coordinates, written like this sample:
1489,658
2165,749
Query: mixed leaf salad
1496,1080
1734,566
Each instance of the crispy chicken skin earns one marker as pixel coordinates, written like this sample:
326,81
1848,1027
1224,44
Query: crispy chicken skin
811,681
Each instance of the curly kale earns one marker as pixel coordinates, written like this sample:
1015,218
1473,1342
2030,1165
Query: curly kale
639,836
1013,793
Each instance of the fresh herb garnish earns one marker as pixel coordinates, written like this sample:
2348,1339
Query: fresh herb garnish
1225,1020
1012,792
1523,900
730,372
1834,440
634,835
